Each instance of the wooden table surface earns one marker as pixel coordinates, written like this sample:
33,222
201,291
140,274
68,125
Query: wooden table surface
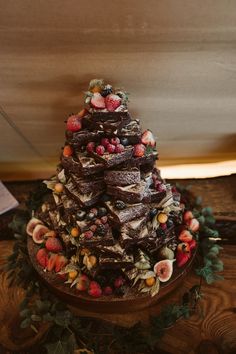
212,329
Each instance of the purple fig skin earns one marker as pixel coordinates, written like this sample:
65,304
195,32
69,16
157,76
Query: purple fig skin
164,270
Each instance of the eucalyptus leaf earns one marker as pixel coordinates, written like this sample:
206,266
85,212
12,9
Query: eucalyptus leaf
25,323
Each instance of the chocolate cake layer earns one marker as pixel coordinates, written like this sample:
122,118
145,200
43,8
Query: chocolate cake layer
108,122
85,200
131,194
131,212
83,166
131,131
122,177
89,184
83,137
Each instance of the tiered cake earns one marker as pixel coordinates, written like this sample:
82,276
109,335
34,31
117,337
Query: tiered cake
111,225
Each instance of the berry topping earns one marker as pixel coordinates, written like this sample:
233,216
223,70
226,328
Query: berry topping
94,289
112,102
53,245
74,232
98,222
148,138
94,211
119,282
115,141
124,141
67,151
61,261
93,228
119,204
107,90
119,148
80,215
104,219
102,211
51,262
88,234
111,148
101,230
100,150
90,216
139,150
83,283
107,290
105,142
97,101
74,123
90,146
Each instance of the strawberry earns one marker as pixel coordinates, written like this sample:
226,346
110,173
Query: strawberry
90,146
74,123
139,150
111,148
97,101
67,151
94,289
107,290
148,138
52,262
193,225
42,257
119,148
182,258
192,244
188,215
100,150
112,102
105,142
53,245
61,261
185,236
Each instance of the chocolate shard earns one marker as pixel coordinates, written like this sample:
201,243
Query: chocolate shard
116,263
84,136
131,131
133,227
82,199
122,177
108,122
131,194
89,184
82,166
131,212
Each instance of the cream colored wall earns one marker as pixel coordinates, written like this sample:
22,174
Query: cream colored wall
177,58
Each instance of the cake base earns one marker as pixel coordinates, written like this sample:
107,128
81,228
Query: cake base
132,301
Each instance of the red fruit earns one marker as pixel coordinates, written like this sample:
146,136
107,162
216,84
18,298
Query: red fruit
98,222
119,148
39,232
88,234
94,211
107,290
112,102
139,150
31,225
182,258
119,282
52,262
161,188
193,225
94,289
67,151
97,101
100,150
111,148
93,228
61,261
83,283
62,276
185,236
183,247
164,269
115,141
104,219
163,226
53,245
148,138
42,257
105,142
188,215
90,146
192,244
74,123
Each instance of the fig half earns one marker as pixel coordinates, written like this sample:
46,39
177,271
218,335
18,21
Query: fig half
39,233
31,225
164,269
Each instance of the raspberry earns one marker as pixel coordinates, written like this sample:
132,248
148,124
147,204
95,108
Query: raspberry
98,222
73,123
88,234
90,146
93,228
107,290
119,282
105,142
119,148
111,148
100,150
94,211
115,141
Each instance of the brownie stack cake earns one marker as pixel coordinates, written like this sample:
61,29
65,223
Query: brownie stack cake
110,225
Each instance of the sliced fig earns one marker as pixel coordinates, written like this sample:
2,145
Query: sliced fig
31,225
164,269
39,233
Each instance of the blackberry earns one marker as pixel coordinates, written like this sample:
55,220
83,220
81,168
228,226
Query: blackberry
106,91
101,230
102,212
169,223
119,204
80,215
153,213
120,291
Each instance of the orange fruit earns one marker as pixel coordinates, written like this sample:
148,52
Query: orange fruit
67,151
74,232
96,89
162,218
72,274
150,281
58,188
